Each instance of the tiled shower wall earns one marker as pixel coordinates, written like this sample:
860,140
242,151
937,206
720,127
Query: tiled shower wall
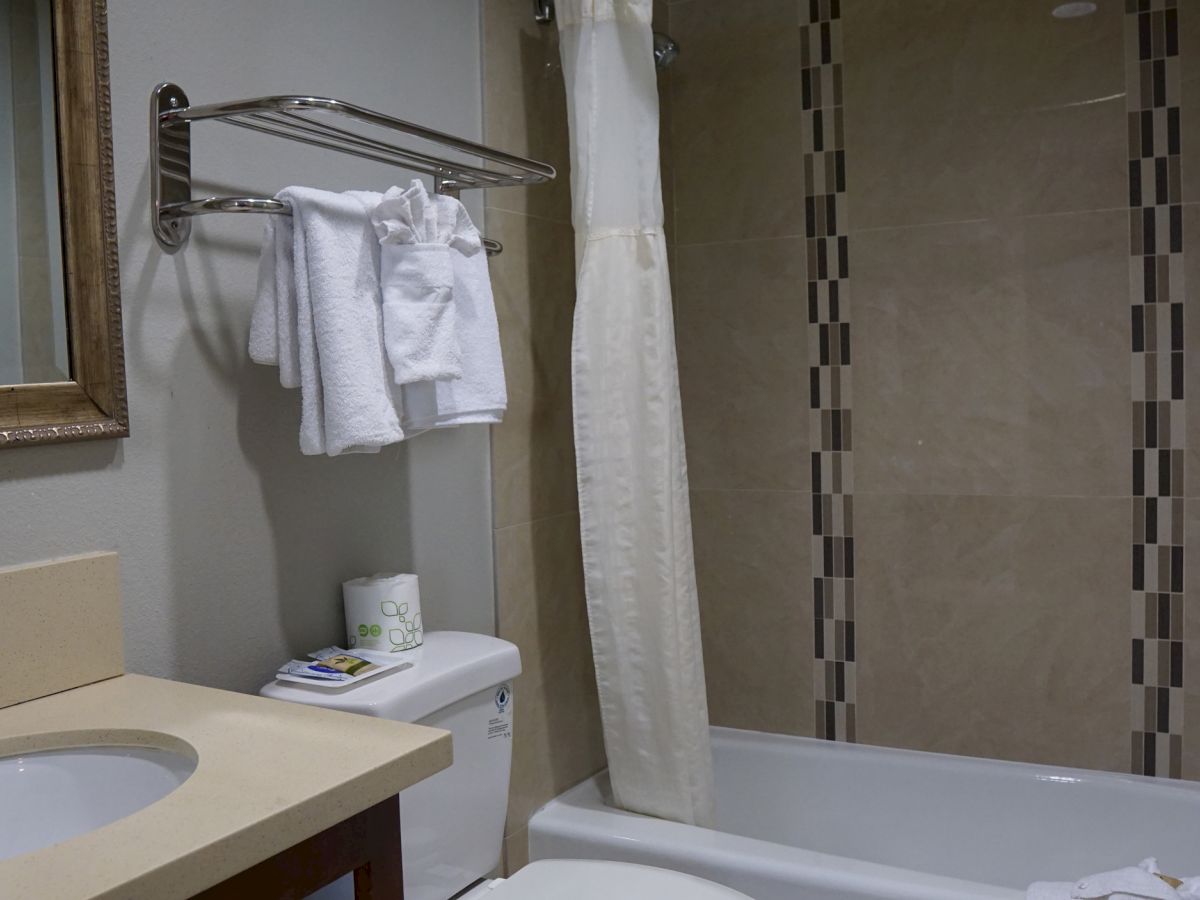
539,572
986,212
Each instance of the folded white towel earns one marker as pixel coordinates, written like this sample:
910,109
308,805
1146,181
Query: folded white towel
479,395
320,307
273,339
417,279
1139,882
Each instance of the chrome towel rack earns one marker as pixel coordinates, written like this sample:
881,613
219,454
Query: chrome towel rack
171,116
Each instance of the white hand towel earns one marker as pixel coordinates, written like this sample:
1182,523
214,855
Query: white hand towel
334,351
479,395
273,339
417,280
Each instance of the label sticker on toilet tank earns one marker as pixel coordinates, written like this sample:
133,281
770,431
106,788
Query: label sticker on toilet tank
500,725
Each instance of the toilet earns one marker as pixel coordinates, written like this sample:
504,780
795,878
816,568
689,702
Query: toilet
452,824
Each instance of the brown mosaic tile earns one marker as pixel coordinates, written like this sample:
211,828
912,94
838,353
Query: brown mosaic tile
1159,423
826,231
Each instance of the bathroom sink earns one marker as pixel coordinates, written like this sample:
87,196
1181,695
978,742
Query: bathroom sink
49,796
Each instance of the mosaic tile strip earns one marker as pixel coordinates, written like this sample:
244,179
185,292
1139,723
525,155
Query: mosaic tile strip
830,421
1152,81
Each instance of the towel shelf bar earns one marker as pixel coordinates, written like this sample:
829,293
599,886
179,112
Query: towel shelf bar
256,205
171,117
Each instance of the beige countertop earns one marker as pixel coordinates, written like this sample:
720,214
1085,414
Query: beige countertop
270,774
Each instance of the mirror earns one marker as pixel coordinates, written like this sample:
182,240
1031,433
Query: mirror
61,361
33,312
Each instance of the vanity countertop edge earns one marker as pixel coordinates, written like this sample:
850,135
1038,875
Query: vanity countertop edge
270,774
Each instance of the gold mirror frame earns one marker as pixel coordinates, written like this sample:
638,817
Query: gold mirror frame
93,404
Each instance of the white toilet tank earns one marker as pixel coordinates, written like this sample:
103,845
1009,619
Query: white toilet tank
451,825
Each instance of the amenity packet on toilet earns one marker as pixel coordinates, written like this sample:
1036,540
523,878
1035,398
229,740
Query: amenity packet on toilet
335,667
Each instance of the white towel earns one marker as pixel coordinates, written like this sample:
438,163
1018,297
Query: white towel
318,317
1139,882
417,279
479,395
273,339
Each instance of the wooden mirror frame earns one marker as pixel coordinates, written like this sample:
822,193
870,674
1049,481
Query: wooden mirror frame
93,404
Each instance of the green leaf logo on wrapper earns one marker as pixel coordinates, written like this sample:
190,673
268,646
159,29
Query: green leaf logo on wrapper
407,633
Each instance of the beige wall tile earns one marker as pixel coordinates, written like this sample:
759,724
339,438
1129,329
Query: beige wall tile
906,171
995,627
525,105
735,118
986,110
557,739
742,320
516,851
71,610
755,588
993,357
539,573
533,455
1191,650
966,58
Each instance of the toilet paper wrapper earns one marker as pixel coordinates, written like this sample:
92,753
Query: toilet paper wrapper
383,612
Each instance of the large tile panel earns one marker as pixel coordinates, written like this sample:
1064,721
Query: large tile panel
557,738
962,57
533,454
995,626
525,104
755,607
992,357
903,171
736,120
987,109
742,339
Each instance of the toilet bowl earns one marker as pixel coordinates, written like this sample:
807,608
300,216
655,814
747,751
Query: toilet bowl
586,879
452,824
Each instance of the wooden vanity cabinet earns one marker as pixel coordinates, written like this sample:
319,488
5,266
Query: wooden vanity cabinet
367,844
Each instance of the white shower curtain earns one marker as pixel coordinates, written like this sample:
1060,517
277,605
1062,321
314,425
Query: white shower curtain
633,493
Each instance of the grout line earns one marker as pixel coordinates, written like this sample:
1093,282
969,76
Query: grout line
525,215
1023,217
538,520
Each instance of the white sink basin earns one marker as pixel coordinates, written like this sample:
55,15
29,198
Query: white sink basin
52,795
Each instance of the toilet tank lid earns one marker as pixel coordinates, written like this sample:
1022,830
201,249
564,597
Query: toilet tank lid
446,668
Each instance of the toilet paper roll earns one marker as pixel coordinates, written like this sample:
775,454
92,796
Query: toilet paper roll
383,612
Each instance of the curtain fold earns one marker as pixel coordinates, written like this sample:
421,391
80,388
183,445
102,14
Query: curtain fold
633,494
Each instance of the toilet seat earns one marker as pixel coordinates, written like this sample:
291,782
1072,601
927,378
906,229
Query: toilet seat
585,879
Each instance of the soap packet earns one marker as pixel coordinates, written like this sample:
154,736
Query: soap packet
334,667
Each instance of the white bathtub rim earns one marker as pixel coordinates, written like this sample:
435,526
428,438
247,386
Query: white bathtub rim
1048,771
582,814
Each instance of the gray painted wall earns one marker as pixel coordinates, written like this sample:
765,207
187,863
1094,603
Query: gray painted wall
232,544
10,306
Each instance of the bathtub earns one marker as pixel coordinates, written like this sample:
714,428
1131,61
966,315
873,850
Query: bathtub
804,819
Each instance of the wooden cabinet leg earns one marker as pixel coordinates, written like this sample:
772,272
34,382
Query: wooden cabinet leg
382,878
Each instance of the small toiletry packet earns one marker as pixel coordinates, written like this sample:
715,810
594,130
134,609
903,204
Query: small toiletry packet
333,667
